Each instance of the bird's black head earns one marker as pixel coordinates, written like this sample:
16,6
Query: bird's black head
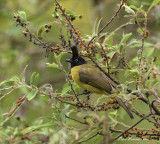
76,59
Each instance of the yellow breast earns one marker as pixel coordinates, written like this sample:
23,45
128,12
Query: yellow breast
75,76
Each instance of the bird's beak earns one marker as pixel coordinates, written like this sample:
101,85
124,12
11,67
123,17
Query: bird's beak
68,60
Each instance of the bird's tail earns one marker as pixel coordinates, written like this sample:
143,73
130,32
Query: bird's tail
119,100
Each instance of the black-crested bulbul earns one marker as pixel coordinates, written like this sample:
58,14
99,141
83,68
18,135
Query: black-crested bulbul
91,79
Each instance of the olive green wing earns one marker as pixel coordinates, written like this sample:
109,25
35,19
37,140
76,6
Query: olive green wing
95,78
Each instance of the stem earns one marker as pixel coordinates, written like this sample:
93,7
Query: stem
113,17
131,127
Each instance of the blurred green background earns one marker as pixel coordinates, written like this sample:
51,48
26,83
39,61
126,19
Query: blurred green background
16,51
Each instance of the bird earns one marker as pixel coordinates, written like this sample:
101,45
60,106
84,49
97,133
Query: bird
92,79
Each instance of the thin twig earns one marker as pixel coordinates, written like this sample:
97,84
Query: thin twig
113,17
63,12
67,77
66,102
134,133
77,120
98,133
140,115
113,32
131,127
72,26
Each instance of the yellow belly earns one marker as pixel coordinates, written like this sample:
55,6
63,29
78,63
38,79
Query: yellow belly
75,77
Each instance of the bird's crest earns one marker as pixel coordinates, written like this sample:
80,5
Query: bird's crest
74,52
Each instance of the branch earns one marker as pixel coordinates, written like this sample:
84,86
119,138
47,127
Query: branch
135,133
72,27
113,17
131,127
66,102
98,133
77,120
140,115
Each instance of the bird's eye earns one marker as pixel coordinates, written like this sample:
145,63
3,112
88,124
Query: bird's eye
76,60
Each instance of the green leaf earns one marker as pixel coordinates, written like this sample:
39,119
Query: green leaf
41,31
97,26
111,54
63,113
148,52
140,19
139,10
32,94
129,10
100,60
23,73
94,27
110,41
69,12
148,44
27,142
22,14
113,114
36,80
124,40
32,128
76,87
60,55
139,30
31,79
40,38
55,14
66,88
117,36
13,79
53,65
132,72
134,42
153,4
101,99
4,133
102,35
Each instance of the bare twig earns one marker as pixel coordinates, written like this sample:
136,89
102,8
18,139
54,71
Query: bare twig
98,133
113,17
131,127
134,133
146,118
77,120
67,77
113,32
67,102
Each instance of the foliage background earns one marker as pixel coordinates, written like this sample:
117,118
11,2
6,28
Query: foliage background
16,52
